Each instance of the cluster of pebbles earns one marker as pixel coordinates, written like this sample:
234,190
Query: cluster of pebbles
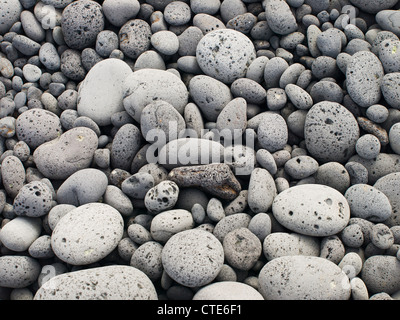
95,205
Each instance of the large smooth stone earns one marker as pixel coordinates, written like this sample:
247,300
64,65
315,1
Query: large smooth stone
312,209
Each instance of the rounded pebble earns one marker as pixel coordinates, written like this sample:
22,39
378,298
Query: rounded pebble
227,290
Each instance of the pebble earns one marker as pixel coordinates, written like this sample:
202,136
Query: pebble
13,175
280,18
225,55
138,234
82,187
34,199
298,96
166,42
232,119
301,167
193,257
159,85
41,248
18,271
87,234
147,258
177,13
368,146
72,65
19,233
72,151
161,197
137,185
394,134
386,19
377,113
303,279
389,82
272,132
335,175
230,223
368,202
380,274
339,130
13,9
117,282
227,290
389,55
330,210
261,191
352,236
92,100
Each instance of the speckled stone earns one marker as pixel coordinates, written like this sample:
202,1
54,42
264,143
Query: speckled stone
227,290
18,271
34,199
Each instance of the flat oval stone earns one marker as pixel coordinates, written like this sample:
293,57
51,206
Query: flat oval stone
387,19
364,74
389,185
82,187
303,278
18,271
100,94
331,132
225,54
34,199
193,257
210,95
280,244
87,234
228,290
373,6
261,191
72,151
279,17
311,209
19,233
148,85
102,283
165,224
13,9
389,86
12,175
272,132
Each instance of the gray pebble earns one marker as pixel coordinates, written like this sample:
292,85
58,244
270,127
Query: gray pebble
19,233
352,236
320,274
261,191
394,133
72,66
7,127
76,240
215,210
81,22
332,249
193,118
301,167
137,185
207,23
388,86
158,172
228,289
266,160
272,132
381,236
114,197
332,120
198,213
147,258
242,248
260,225
233,119
324,66
177,13
214,50
57,212
25,45
299,97
276,99
67,118
128,283
237,205
296,121
149,59
333,174
12,175
13,10
203,257
273,71
377,113
126,248
82,187
18,271
386,19
209,7
41,248
118,12
250,90
368,202
134,37
161,197
32,27
329,43
33,200
165,42
188,41
106,42
230,223
368,146
21,150
326,91
72,151
210,95
280,18
291,75
388,54
139,234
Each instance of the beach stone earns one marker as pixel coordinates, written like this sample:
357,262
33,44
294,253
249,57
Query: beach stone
334,175
368,146
87,234
188,40
97,102
161,116
207,23
279,17
329,215
291,75
230,223
232,119
272,132
389,84
18,271
193,257
352,236
227,290
273,70
249,89
137,185
37,126
166,42
367,68
387,20
112,283
299,97
337,127
13,175
147,258
118,12
34,199
394,134
25,45
301,167
280,244
56,213
266,160
81,22
326,91
215,210
381,236
139,234
41,248
307,278
210,95
373,6
209,7
161,197
167,223
124,147
388,54
377,113
149,59
72,66
261,191
114,197
19,233
260,224
82,187
380,274
276,99
177,13
149,85
63,156
31,72
225,54
242,248
12,10
134,38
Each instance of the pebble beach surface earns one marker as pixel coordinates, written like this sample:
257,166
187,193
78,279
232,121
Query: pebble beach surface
200,150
